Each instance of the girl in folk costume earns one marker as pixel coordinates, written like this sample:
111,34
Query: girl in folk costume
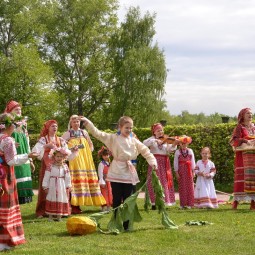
48,140
22,172
85,186
244,164
11,227
184,164
56,184
205,194
124,148
161,152
105,186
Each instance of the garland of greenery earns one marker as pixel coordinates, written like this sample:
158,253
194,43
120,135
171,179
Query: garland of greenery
128,211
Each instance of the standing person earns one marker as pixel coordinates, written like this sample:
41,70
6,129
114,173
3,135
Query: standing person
184,164
85,186
11,227
48,140
133,161
205,194
122,174
161,152
105,186
22,172
244,181
57,184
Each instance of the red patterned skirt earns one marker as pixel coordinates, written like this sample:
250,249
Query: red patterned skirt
249,171
11,227
164,174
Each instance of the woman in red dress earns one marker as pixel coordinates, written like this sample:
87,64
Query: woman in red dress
11,227
244,164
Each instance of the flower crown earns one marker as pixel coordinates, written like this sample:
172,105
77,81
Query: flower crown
62,150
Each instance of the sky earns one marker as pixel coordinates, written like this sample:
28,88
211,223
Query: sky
209,47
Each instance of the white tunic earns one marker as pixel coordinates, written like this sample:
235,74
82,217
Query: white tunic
124,149
7,145
100,171
176,159
57,179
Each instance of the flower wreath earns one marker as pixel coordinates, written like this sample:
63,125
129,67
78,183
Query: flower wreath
62,150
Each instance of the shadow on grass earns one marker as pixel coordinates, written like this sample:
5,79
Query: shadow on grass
140,229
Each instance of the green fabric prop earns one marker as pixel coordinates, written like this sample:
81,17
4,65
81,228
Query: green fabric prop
160,203
147,201
129,210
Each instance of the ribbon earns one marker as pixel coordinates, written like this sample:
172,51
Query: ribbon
132,171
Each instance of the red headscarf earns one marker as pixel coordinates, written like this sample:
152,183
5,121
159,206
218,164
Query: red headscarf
46,126
241,115
155,127
11,105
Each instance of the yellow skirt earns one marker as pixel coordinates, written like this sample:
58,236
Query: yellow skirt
85,186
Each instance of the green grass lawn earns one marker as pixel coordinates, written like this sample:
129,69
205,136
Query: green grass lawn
232,232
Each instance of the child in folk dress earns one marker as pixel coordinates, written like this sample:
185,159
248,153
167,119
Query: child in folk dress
122,173
105,186
57,185
184,164
205,194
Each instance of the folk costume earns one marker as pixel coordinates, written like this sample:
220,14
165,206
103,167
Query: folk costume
85,186
57,179
11,227
122,173
244,163
205,194
22,172
46,161
123,149
164,171
105,186
184,163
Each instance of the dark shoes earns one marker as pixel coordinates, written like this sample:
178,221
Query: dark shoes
234,205
252,205
76,210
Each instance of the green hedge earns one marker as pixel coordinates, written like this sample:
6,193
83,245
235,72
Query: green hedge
216,137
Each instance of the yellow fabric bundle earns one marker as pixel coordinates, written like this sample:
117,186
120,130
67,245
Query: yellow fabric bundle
80,225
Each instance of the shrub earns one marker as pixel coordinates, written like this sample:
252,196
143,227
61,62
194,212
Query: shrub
216,137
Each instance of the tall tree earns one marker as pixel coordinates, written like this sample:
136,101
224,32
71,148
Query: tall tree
76,45
23,75
139,70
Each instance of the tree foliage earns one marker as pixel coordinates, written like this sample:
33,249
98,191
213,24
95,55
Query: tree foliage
75,43
64,57
139,70
24,77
